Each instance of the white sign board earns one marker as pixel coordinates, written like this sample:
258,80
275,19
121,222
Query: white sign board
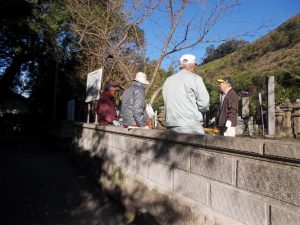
93,85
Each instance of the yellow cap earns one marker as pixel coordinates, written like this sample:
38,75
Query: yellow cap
221,81
225,80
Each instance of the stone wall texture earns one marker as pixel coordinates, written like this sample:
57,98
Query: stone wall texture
231,180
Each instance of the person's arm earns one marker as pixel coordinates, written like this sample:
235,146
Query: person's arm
201,94
139,107
232,108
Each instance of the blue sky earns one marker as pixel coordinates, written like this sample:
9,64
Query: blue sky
246,17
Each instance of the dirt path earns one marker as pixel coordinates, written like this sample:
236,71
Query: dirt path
39,185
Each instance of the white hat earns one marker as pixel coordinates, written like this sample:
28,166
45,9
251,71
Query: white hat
188,59
141,77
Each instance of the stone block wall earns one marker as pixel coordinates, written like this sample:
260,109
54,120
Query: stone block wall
241,180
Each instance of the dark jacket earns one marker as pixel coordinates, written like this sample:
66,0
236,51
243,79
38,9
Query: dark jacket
106,109
229,109
133,105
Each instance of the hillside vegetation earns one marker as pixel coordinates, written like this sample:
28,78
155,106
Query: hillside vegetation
275,54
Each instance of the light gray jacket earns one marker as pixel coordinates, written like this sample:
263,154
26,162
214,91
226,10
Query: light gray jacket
185,97
133,105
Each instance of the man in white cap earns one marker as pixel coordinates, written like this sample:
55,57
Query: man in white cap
185,98
133,103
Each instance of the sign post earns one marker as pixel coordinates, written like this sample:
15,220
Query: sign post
93,86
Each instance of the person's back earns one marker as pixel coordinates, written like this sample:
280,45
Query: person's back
106,105
185,97
133,102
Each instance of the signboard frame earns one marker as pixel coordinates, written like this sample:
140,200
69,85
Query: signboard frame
93,85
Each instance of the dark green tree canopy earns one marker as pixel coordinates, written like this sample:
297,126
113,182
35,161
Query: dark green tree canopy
226,48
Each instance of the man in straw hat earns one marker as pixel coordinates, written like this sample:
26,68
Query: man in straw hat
228,109
133,103
185,98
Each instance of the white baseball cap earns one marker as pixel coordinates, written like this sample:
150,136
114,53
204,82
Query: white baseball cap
142,78
188,59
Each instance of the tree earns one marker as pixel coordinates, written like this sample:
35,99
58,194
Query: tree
56,61
226,48
185,31
109,36
16,45
110,30
37,52
59,42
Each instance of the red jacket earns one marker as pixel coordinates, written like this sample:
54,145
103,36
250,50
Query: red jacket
106,109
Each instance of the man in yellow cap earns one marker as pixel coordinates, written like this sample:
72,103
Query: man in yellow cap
228,109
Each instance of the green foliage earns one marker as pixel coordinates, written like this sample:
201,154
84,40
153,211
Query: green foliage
50,19
286,35
159,80
286,87
41,47
222,50
159,102
250,66
214,93
118,176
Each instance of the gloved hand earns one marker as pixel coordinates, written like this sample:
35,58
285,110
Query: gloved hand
228,123
116,123
212,120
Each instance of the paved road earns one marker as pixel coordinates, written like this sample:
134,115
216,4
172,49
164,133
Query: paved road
39,185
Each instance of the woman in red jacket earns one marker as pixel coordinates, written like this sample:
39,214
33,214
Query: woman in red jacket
107,106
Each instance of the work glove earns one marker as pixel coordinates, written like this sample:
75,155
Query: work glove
116,123
228,123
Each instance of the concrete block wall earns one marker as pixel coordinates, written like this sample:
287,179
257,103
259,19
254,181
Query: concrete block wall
253,181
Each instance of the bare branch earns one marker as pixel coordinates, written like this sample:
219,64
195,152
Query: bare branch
112,29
